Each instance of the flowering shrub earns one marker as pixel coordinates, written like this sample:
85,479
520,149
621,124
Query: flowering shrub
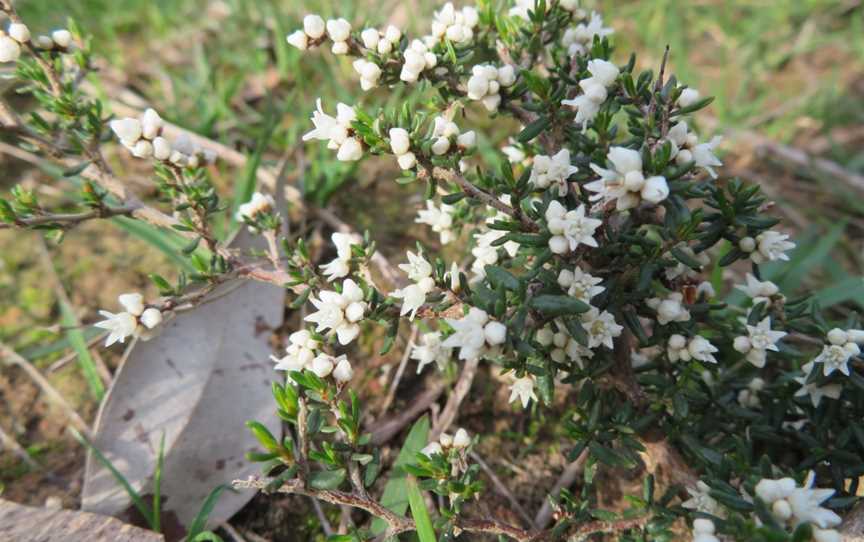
595,245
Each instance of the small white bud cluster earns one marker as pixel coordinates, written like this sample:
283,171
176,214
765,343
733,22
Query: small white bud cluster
259,204
301,354
594,88
339,267
564,346
134,321
768,246
552,171
445,132
458,442
382,43
440,219
314,28
571,228
339,313
686,148
455,25
749,396
758,341
473,333
339,368
143,137
369,73
792,505
625,182
670,308
578,39
703,530
841,348
59,39
486,82
418,58
688,97
698,348
414,295
400,144
336,131
11,41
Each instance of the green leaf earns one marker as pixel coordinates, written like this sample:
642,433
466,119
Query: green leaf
558,305
79,344
420,513
395,497
157,485
75,170
166,242
498,276
206,536
327,479
533,130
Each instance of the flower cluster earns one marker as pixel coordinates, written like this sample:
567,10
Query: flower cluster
337,132
474,333
430,349
339,312
457,441
578,39
686,148
143,137
439,218
698,348
594,91
314,28
625,183
793,505
248,212
768,246
669,308
301,354
570,229
381,42
454,25
758,341
486,82
135,320
418,58
580,284
414,295
552,171
339,267
842,346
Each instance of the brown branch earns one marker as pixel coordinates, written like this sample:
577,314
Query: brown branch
460,391
68,220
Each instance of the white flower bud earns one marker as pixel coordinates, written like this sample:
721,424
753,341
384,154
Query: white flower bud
384,47
313,26
338,29
409,76
506,75
133,303
838,336
431,449
298,39
392,34
559,245
63,38
655,189
495,333
467,140
161,148
461,439
492,102
683,157
446,440
151,124
45,42
703,526
407,160
350,150
688,97
354,312
9,49
128,130
370,38
322,365
747,244
634,181
343,371
19,32
400,141
339,48
477,87
677,342
142,149
431,59
856,335
440,146
742,344
150,318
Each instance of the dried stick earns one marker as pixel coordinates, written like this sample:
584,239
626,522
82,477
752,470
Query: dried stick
451,409
391,392
574,469
9,442
501,488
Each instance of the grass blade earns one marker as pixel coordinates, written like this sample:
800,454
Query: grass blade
76,339
136,498
157,486
169,244
197,528
420,513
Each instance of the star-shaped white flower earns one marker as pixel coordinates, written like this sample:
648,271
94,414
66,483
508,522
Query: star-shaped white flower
569,229
523,390
339,313
430,350
601,328
580,284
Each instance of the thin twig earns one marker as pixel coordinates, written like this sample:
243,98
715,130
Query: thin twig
8,441
460,390
391,392
68,220
501,488
574,469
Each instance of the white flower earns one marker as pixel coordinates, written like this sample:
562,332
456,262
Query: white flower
758,291
701,350
688,97
814,391
472,332
120,326
439,218
669,309
431,449
579,39
686,148
601,328
314,26
625,183
703,530
62,38
128,130
19,32
322,365
759,340
413,296
339,267
151,124
456,26
552,171
767,247
343,371
161,149
523,389
336,131
835,357
369,73
407,160
461,439
400,141
338,29
300,352
133,303
594,88
339,313
430,349
350,150
142,149
569,229
467,140
417,267
701,500
580,284
298,39
486,82
260,203
798,504
10,50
